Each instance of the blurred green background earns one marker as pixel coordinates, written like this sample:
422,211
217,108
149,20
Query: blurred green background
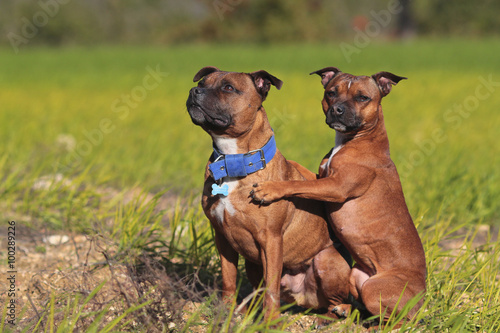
63,22
99,88
95,138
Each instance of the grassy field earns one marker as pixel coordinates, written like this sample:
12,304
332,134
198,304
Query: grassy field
97,141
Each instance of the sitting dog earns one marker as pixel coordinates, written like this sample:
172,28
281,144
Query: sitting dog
365,201
286,244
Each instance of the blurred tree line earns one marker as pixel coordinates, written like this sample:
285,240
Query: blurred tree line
60,22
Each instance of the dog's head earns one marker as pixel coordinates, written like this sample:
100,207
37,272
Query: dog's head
351,103
227,102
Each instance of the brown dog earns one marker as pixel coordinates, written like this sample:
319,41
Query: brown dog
286,244
365,200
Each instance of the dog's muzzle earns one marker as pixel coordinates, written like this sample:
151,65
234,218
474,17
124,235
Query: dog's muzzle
342,119
204,113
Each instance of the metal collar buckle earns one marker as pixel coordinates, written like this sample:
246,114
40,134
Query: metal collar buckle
220,157
262,157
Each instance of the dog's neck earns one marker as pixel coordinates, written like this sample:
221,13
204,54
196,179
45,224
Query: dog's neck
374,131
255,138
242,155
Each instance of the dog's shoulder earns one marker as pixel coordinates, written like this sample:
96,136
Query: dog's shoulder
303,171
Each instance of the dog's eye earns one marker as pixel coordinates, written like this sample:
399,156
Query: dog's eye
228,87
331,94
363,98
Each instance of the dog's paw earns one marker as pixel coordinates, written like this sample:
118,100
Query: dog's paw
265,193
342,310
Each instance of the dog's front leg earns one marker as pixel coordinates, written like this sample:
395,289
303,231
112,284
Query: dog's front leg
347,182
229,267
272,262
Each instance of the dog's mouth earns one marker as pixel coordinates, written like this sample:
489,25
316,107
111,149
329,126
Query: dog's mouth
338,127
208,120
344,124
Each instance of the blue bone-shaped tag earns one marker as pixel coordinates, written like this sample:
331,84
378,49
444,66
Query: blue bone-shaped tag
223,189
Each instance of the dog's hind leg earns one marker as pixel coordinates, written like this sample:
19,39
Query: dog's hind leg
333,273
389,291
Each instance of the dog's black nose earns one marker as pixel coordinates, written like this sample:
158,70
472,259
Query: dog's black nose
197,90
339,109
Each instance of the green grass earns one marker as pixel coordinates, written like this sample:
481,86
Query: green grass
48,93
63,118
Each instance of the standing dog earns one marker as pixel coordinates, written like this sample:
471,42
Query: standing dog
287,244
365,200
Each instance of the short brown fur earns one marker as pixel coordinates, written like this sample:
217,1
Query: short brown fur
365,200
286,244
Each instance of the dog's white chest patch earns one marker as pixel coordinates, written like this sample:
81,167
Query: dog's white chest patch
224,204
226,145
335,150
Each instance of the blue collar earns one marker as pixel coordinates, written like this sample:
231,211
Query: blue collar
241,165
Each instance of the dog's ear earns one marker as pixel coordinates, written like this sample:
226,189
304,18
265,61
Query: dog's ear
204,72
327,74
386,80
263,81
